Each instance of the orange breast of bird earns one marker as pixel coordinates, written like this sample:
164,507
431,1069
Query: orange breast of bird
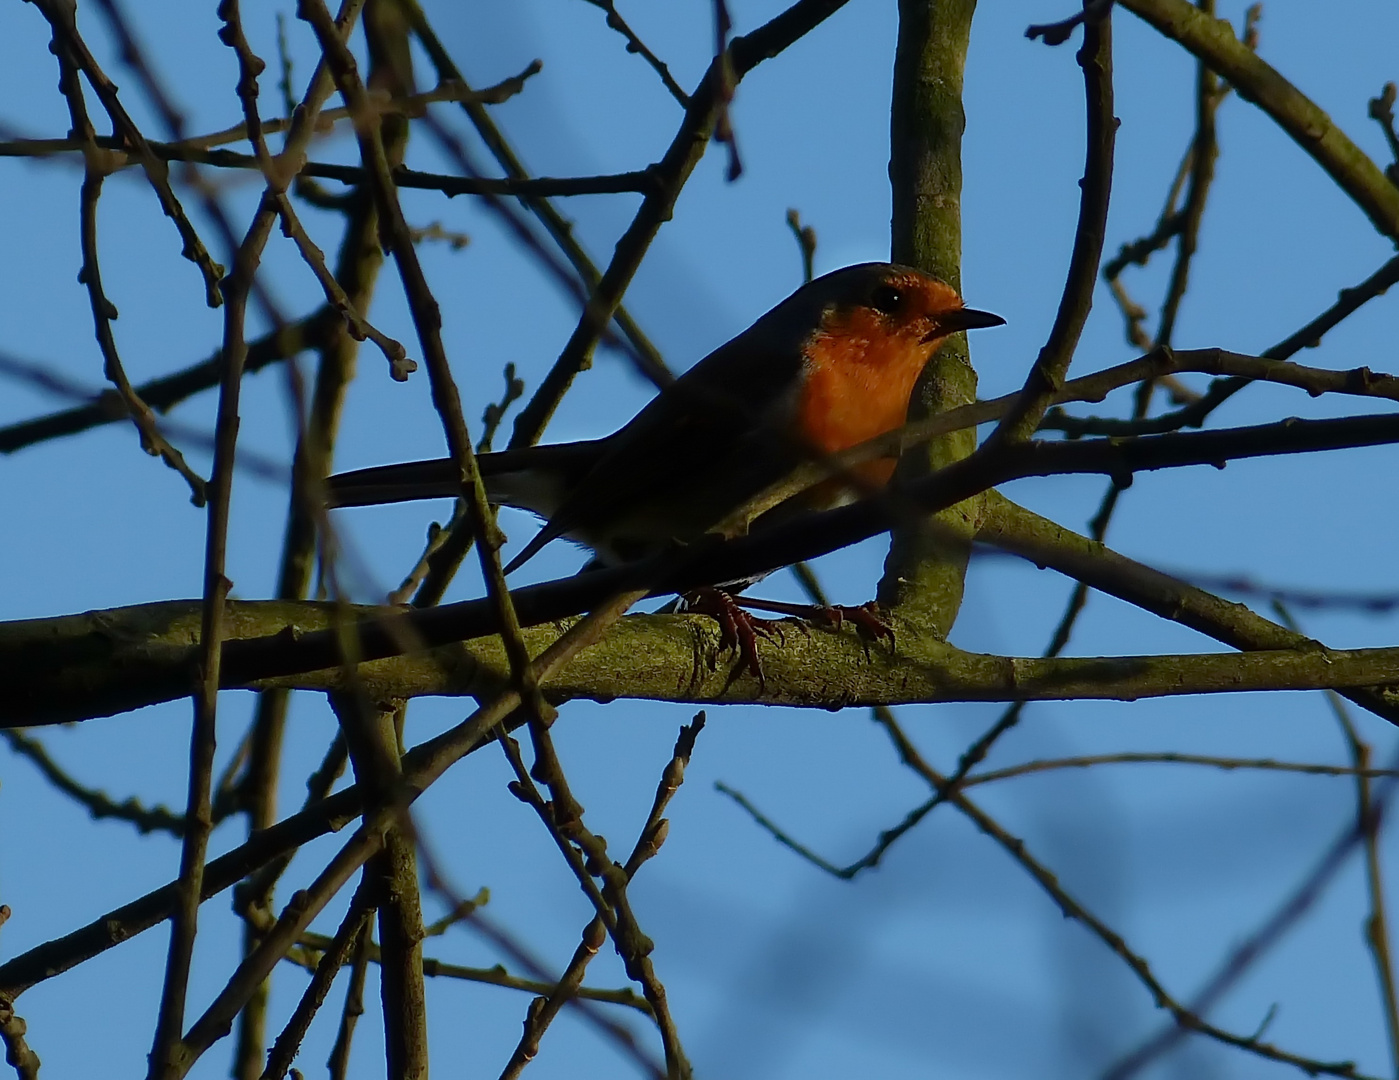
858,379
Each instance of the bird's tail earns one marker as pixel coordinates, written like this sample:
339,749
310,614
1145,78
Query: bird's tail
403,482
532,478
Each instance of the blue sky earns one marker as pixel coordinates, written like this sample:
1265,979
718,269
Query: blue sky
947,961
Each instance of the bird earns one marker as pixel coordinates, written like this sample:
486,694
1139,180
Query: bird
828,368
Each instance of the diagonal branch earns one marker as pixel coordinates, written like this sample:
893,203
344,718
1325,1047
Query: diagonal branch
674,169
587,856
1222,389
167,391
62,17
337,951
636,45
643,353
1214,42
95,170
648,843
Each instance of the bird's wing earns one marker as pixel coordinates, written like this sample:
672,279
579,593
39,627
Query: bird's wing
696,426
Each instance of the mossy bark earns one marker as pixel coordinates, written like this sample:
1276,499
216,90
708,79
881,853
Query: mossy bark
101,663
927,562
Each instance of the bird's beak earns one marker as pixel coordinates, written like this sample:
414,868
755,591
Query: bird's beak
951,322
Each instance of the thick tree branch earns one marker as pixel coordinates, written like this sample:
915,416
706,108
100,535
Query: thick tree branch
667,658
391,883
1048,544
67,644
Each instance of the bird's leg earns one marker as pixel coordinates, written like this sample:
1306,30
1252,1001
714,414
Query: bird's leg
738,630
866,617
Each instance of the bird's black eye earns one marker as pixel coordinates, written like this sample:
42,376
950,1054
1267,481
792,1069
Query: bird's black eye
887,298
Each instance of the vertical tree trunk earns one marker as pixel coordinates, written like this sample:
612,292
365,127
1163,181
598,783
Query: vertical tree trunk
927,561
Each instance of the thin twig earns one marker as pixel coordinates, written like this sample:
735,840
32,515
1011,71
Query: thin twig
742,55
61,17
383,103
355,923
648,843
723,79
1050,367
380,101
1186,1019
638,180
478,923
1228,764
640,351
806,243
435,232
169,1059
13,1030
1216,44
1219,391
18,1053
1377,936
100,805
587,856
1138,252
339,1060
400,366
1058,32
1257,944
166,391
1204,149
495,412
1382,112
95,169
636,45
316,945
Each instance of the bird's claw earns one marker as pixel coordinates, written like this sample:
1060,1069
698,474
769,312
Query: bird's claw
868,620
739,630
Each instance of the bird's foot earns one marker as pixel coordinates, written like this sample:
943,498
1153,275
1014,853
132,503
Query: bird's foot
867,618
739,630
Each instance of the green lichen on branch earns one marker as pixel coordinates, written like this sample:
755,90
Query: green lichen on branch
924,573
81,666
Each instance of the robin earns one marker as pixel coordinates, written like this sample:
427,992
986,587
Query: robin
830,367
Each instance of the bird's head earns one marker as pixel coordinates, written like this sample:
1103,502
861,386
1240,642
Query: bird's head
896,305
